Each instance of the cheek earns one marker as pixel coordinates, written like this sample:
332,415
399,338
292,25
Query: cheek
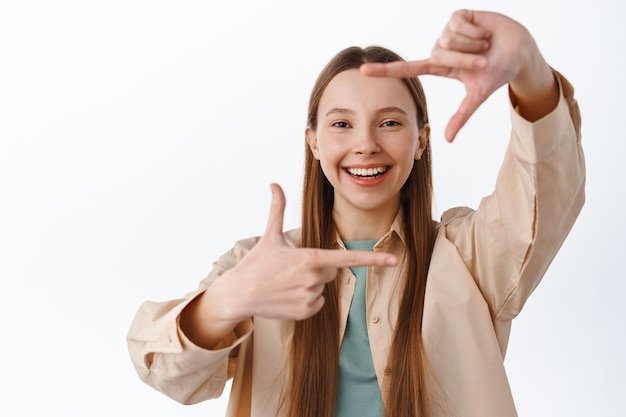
330,162
329,167
408,156
328,152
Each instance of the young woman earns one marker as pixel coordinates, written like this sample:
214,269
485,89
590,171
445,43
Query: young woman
372,308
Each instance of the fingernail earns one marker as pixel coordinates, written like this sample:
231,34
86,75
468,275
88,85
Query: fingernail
391,261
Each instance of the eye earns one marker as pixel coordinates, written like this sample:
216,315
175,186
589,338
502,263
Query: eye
390,123
340,124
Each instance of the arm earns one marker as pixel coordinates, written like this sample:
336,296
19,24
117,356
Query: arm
166,359
508,243
274,281
186,348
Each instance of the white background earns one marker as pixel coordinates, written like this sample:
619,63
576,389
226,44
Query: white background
138,140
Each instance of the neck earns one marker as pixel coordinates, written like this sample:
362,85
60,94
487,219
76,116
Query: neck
363,224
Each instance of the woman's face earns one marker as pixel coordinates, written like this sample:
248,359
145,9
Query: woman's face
367,139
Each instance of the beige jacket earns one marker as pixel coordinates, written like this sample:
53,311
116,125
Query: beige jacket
484,266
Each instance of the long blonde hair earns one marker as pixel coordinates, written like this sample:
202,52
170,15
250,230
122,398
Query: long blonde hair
314,355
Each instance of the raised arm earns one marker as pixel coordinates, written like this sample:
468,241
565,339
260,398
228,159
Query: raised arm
510,240
484,51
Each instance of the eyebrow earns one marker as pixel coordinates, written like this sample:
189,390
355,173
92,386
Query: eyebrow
389,109
339,110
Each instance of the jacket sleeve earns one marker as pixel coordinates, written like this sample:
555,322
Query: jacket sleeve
508,243
166,360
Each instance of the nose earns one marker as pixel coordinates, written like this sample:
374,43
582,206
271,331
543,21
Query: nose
366,143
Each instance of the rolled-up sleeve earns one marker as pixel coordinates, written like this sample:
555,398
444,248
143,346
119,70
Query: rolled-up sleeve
167,360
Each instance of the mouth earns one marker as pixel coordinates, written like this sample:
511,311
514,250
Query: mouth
364,173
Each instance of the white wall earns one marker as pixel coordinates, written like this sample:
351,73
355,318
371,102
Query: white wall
138,140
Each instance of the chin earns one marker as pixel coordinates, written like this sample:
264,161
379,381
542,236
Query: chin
374,206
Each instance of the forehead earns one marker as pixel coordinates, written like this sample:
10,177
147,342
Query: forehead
352,90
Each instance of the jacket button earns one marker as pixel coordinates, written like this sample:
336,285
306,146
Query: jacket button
375,319
375,269
386,371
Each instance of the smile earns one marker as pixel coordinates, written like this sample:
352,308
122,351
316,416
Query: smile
367,172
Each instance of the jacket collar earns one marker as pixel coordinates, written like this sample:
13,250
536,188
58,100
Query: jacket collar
395,231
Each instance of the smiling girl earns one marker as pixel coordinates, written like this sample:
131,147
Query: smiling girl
372,308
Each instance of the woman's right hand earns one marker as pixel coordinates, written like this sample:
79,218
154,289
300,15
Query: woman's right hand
274,280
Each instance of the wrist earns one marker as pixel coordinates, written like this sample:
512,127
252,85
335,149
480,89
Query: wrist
224,304
203,320
534,90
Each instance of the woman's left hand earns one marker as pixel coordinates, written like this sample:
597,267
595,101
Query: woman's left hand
484,51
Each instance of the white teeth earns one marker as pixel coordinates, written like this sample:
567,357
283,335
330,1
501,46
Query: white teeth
366,172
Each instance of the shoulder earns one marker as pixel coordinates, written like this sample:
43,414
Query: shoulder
455,215
292,237
240,249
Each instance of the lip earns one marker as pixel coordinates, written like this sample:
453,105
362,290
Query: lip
367,180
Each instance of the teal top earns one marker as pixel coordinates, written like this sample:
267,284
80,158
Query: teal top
358,392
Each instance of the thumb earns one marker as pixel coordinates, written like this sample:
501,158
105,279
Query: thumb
274,228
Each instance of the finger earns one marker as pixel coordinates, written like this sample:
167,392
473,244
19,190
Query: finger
399,69
274,228
464,112
317,305
456,42
464,22
305,312
332,258
455,60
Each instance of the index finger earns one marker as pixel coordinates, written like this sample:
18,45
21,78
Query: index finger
399,69
337,258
